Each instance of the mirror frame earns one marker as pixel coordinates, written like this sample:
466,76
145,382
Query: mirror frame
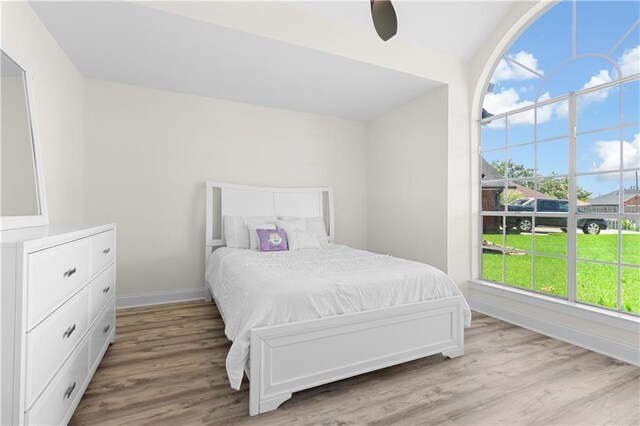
41,219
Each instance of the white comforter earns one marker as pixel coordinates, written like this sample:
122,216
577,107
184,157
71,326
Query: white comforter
256,289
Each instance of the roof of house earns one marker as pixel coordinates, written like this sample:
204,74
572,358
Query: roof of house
531,193
612,197
490,173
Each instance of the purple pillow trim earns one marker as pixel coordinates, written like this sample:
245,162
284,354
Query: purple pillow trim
272,240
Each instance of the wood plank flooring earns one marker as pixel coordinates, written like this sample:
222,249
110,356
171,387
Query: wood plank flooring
168,367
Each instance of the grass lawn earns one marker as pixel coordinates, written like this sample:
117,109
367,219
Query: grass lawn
596,283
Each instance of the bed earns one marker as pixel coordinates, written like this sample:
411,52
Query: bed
299,319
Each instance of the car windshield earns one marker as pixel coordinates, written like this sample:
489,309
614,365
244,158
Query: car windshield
521,202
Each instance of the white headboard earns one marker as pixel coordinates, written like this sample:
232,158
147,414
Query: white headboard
226,199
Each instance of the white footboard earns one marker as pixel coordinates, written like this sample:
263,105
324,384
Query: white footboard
290,357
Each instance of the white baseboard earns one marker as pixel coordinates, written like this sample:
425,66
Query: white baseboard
594,342
159,297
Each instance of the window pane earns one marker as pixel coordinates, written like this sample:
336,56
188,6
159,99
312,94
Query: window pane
631,195
521,158
552,189
593,226
600,109
518,269
631,102
524,187
493,164
598,193
492,195
595,241
598,152
512,195
552,120
630,286
520,128
551,239
519,242
551,275
492,248
553,157
600,24
630,241
597,284
520,224
631,147
579,74
493,135
623,54
553,29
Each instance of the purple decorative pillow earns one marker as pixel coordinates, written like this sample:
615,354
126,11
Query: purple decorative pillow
272,240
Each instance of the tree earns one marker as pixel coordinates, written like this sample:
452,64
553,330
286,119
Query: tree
551,186
515,170
559,188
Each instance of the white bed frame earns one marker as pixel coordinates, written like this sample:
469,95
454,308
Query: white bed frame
290,357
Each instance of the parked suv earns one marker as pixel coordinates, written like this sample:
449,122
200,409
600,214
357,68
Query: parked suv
524,223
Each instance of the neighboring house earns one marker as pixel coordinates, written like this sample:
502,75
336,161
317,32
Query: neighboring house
491,191
608,203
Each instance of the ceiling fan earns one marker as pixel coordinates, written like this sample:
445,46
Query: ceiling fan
384,18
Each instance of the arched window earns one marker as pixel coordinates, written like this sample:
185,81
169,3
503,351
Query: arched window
560,157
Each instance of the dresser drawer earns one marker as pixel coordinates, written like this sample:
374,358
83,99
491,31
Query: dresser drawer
101,332
55,274
101,290
54,406
103,250
51,342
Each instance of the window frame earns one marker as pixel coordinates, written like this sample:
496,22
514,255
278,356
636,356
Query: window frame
573,214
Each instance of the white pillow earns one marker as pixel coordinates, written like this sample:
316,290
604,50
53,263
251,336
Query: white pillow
236,232
316,225
293,224
254,243
312,224
302,240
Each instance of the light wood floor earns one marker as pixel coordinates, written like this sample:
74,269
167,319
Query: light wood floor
168,367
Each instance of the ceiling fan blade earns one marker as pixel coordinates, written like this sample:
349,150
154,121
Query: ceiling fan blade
384,18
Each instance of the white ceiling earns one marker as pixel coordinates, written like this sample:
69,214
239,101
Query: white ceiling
134,44
455,27
146,46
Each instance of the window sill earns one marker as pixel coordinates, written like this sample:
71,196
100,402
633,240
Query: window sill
606,317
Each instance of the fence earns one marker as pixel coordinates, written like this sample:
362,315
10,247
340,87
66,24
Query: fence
627,225
609,209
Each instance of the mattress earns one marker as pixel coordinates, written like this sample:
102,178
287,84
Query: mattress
255,289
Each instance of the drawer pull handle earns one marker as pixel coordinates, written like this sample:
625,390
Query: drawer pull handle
106,289
69,331
70,272
106,251
69,391
105,330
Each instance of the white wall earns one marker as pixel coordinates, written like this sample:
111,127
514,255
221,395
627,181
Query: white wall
310,30
407,187
149,152
58,110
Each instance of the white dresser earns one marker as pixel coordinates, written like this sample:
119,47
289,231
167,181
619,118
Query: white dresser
58,317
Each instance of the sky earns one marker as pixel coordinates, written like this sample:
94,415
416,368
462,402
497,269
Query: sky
546,49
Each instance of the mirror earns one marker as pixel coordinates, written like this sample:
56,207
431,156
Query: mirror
20,193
